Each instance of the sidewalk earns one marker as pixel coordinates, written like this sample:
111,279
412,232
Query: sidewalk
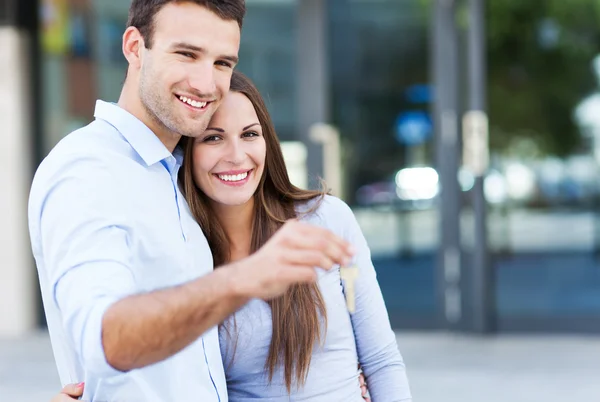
441,367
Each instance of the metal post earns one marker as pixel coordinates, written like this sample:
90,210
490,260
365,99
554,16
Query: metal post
445,79
312,80
476,160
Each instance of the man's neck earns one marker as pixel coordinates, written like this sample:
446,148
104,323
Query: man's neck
237,224
133,105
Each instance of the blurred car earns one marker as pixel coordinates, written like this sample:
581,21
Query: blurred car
381,193
418,188
409,189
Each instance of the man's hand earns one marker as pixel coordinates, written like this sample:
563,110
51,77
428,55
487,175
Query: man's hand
69,393
288,258
363,387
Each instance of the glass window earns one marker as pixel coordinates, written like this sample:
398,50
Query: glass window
379,57
543,79
268,55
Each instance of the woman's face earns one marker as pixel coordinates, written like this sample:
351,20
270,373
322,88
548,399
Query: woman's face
229,158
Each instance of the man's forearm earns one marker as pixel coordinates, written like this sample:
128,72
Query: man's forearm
144,329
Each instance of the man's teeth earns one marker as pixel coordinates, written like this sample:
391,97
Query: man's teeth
233,177
192,102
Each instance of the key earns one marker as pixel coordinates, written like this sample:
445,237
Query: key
349,276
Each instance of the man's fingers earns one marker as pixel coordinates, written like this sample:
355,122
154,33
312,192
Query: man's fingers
70,392
308,258
336,252
363,384
316,239
321,234
63,398
297,274
73,389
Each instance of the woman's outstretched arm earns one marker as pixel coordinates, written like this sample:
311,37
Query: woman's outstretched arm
378,352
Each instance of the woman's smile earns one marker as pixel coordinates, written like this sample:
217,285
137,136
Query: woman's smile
234,178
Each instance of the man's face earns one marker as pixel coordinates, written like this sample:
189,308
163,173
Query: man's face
187,72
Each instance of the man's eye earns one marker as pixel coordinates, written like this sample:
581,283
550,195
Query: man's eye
224,64
186,54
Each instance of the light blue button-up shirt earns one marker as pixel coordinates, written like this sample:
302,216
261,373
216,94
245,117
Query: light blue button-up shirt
107,220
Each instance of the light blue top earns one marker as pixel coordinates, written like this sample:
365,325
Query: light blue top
107,220
365,336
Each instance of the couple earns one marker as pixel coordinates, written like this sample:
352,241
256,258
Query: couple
125,241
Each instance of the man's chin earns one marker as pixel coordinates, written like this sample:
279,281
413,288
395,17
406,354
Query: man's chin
193,129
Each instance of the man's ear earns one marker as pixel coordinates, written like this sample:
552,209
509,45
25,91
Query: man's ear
133,43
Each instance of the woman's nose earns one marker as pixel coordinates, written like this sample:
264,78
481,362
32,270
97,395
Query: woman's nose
236,154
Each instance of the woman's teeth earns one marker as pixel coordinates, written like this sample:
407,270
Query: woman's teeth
234,177
192,102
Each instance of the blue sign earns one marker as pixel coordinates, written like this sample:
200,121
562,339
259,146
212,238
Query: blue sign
419,94
413,127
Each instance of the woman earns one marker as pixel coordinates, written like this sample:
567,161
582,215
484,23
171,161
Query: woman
304,345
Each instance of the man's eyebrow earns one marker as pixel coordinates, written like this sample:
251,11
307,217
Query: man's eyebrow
188,46
233,59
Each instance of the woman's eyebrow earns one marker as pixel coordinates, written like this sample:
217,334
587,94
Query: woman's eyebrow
215,129
222,131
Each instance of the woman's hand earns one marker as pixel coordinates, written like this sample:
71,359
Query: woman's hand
69,393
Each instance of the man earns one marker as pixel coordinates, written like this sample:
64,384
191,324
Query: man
126,274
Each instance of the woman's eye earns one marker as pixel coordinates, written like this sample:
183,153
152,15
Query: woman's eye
250,134
212,138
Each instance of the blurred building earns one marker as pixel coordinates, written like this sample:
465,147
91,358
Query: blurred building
18,293
364,66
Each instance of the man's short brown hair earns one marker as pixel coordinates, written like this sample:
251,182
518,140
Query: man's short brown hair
142,13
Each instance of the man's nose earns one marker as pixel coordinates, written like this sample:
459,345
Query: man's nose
202,79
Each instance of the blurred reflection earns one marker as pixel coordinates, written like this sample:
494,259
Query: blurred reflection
587,113
520,181
417,184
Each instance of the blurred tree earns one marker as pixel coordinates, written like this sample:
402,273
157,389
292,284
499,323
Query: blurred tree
540,56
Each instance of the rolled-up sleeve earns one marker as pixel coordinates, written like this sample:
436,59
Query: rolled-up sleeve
85,243
377,349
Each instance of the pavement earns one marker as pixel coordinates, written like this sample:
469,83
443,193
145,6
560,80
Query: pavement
442,367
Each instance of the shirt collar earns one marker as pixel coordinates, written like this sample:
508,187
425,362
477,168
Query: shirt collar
137,134
178,154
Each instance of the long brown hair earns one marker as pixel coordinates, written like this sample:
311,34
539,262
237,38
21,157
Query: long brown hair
295,315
